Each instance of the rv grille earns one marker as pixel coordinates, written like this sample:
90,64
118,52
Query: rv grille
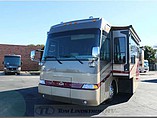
12,68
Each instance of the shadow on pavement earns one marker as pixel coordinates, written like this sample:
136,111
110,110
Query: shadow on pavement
151,81
23,73
27,102
120,98
20,102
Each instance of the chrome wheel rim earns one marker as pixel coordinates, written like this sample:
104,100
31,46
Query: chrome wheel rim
111,91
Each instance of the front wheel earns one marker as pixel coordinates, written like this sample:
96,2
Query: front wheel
112,90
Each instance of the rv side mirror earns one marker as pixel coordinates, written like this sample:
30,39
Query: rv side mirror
95,51
3,62
32,55
35,55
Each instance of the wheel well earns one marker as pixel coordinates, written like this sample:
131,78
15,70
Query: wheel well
114,82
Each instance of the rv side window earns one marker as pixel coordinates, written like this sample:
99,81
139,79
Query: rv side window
119,50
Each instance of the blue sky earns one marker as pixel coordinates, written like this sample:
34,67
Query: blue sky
27,22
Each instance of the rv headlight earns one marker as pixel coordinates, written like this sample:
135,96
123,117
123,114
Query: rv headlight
90,86
41,63
43,68
19,68
42,82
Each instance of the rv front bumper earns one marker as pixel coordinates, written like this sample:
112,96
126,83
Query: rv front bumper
12,70
80,97
71,100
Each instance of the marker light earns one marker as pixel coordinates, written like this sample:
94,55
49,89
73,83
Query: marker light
94,20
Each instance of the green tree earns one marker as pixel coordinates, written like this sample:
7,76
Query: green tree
42,45
149,54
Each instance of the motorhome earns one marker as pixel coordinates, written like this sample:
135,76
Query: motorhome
145,67
143,64
12,64
89,61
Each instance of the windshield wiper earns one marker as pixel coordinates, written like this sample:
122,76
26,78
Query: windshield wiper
68,56
54,57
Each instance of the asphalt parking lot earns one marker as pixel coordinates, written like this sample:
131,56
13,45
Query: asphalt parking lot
19,97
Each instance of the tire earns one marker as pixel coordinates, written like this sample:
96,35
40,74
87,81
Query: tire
112,90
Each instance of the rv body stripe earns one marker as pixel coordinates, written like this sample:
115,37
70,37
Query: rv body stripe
124,72
80,85
120,72
73,85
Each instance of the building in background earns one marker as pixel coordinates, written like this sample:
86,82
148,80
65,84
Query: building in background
24,51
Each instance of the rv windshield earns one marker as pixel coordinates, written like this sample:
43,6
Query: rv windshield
12,60
72,44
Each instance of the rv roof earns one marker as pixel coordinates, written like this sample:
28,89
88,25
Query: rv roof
12,55
79,24
130,27
76,21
